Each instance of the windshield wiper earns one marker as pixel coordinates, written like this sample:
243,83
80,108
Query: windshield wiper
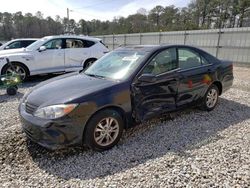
96,76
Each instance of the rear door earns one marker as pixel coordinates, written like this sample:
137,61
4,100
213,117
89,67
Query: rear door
156,95
77,51
195,76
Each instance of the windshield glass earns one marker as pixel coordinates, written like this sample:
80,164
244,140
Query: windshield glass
116,65
37,44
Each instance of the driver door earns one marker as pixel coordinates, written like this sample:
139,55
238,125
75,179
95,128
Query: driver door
154,91
52,58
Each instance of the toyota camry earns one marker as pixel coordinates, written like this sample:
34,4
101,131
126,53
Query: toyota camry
125,87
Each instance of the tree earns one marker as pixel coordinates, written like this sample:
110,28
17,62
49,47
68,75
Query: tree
154,16
244,6
199,14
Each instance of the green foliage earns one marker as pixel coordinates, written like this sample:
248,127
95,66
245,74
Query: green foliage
199,14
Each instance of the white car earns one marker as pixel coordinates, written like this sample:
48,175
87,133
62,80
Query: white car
18,43
53,54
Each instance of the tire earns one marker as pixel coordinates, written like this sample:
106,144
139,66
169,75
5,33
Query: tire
88,63
210,99
99,134
12,90
18,68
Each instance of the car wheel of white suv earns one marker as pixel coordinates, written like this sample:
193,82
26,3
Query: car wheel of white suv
16,68
88,63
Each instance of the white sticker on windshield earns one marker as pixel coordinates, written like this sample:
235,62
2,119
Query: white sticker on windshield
130,58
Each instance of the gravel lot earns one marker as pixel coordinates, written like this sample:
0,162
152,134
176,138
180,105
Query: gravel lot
192,149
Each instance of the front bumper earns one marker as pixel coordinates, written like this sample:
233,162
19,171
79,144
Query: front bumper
52,134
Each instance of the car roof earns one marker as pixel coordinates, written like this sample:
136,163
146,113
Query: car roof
74,36
151,48
24,39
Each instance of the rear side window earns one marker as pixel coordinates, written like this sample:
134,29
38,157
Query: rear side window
189,58
78,43
74,43
26,43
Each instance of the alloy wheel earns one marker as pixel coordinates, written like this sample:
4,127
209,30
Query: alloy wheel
212,97
16,69
106,131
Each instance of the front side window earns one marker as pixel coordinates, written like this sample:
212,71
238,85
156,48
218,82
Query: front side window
74,43
163,62
189,59
117,65
54,44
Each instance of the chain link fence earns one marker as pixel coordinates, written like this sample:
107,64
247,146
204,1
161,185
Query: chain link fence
229,44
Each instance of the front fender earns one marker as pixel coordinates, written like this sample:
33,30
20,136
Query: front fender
23,58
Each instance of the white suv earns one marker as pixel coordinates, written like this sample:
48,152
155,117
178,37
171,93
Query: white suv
53,54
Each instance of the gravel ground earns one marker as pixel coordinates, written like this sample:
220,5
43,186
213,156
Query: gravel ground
193,149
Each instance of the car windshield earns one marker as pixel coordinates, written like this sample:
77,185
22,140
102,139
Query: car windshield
117,65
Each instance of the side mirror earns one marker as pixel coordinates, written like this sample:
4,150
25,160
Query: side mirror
42,48
7,47
147,78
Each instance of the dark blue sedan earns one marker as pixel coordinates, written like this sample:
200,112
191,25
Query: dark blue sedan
125,87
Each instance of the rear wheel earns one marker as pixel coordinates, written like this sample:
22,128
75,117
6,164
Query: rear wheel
88,63
17,68
104,130
211,98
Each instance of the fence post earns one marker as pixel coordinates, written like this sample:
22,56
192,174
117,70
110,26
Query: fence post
125,40
140,38
218,43
185,37
160,37
113,41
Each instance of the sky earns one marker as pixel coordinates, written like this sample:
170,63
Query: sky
85,9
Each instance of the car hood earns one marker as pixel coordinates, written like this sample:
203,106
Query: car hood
13,51
66,88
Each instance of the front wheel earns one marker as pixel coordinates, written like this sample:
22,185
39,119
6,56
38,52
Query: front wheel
104,130
211,98
16,68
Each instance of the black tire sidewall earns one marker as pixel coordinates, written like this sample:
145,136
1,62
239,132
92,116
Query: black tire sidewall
24,68
88,63
11,91
205,107
91,125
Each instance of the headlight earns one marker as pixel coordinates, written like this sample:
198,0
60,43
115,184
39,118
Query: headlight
54,111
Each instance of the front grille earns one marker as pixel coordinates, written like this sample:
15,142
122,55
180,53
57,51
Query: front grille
30,108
